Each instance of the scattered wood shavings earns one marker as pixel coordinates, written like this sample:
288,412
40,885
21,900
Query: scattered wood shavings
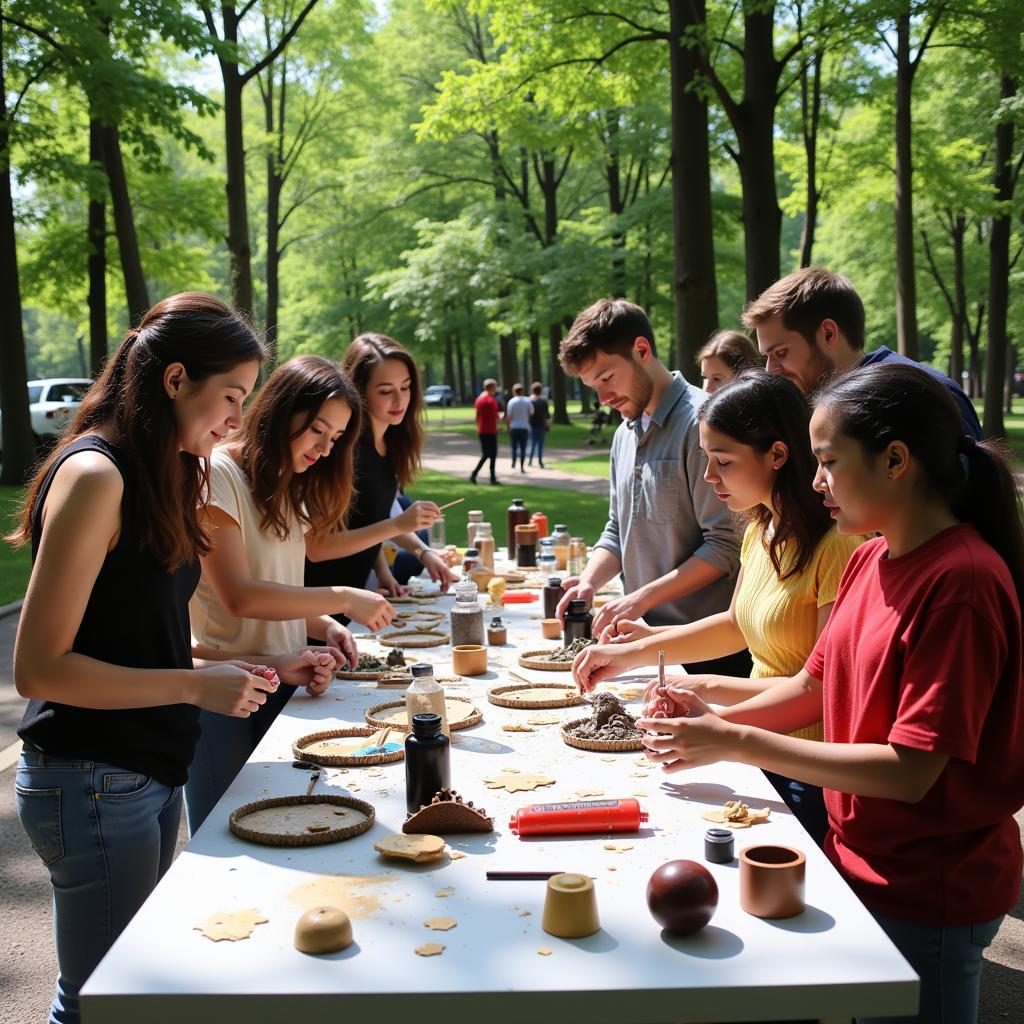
585,792
639,775
618,847
610,760
544,951
611,867
516,783
639,792
445,893
440,924
526,913
543,720
232,926
430,949
736,814
455,854
511,771
516,727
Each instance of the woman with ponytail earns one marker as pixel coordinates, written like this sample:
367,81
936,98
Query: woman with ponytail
114,518
917,673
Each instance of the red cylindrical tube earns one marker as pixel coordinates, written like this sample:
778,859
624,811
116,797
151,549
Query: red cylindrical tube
578,816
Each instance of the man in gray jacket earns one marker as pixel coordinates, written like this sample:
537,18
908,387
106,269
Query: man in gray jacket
675,544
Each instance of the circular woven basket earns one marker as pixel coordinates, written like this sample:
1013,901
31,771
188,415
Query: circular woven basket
475,718
335,835
603,746
342,760
532,659
418,618
427,638
499,696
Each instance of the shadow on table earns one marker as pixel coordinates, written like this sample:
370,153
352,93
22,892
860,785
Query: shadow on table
810,921
715,794
479,744
710,943
618,837
599,942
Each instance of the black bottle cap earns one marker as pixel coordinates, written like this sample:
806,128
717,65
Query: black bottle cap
426,725
577,607
517,501
555,581
421,668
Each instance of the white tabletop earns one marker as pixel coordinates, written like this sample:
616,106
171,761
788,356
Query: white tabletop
831,961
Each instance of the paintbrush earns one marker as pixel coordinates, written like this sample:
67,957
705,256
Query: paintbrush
441,508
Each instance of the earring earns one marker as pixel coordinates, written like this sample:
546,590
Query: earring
890,476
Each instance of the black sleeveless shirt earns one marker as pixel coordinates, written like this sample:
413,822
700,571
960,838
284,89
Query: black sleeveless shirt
136,616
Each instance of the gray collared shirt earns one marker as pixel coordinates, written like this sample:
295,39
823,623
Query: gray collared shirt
661,510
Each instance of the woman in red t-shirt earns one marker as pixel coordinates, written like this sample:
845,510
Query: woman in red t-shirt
917,675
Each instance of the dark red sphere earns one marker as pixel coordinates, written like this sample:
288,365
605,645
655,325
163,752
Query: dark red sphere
682,895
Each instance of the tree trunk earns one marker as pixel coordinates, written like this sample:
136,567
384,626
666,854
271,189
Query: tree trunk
559,408
460,367
449,362
999,269
19,450
96,233
135,291
616,201
509,365
956,345
275,133
1011,369
474,380
536,367
906,284
755,130
694,287
811,107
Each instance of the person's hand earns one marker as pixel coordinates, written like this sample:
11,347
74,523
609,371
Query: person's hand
233,688
576,589
629,606
370,610
697,737
340,637
388,585
418,516
595,664
311,667
438,569
662,699
625,631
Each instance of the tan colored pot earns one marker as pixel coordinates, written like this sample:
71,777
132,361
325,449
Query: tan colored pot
570,907
469,659
772,881
551,629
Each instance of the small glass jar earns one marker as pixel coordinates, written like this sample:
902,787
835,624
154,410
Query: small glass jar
560,543
471,562
497,633
475,517
467,617
437,533
577,559
526,546
485,545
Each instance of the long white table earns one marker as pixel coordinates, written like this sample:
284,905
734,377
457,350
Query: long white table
832,962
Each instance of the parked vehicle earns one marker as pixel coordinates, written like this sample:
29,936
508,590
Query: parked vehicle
439,394
52,404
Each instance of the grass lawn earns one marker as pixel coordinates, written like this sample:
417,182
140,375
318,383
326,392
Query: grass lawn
1014,423
15,566
584,514
561,435
588,465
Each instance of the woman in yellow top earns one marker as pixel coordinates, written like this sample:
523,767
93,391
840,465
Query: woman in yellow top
754,432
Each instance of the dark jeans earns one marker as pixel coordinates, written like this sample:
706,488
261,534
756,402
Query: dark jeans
806,802
520,437
739,664
489,451
406,564
537,435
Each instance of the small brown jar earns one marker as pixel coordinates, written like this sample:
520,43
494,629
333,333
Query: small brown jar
497,634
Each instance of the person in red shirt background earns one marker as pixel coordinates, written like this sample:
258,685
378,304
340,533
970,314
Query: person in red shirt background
487,413
917,675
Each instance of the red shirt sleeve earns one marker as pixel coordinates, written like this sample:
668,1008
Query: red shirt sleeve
954,658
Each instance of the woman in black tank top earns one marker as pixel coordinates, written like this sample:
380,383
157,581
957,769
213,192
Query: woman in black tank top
104,648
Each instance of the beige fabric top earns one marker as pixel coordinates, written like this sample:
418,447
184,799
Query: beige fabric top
270,558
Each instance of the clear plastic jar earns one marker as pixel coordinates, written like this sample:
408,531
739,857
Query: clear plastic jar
475,518
577,556
485,545
437,533
467,617
560,543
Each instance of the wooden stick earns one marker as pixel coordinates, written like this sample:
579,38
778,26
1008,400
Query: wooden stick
441,508
520,876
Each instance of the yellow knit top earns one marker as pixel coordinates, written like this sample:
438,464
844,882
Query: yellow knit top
779,618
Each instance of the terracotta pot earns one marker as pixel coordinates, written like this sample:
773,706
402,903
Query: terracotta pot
772,881
570,907
551,629
469,659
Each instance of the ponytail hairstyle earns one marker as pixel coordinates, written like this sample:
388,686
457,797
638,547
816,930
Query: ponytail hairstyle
895,402
757,409
404,440
207,337
320,496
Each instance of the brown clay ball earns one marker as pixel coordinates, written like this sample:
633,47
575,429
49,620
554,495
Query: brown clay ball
323,930
682,896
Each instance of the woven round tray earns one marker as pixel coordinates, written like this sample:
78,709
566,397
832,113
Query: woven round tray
502,696
334,835
604,746
340,760
475,718
407,638
418,618
532,659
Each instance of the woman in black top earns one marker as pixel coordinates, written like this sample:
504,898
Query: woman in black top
103,651
387,457
540,420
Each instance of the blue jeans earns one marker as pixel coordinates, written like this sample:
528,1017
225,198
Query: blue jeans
948,962
225,743
519,438
106,836
806,802
537,435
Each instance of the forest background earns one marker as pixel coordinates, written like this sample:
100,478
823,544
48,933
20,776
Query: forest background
467,176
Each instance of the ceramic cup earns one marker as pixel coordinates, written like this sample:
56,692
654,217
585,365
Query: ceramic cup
469,659
551,629
772,881
570,907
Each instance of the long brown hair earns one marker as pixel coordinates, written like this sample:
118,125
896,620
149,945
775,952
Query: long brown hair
757,409
320,496
207,337
734,348
404,441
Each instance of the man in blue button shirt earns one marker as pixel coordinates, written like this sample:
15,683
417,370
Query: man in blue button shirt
811,324
674,543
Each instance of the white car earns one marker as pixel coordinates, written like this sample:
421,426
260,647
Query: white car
52,404
439,394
